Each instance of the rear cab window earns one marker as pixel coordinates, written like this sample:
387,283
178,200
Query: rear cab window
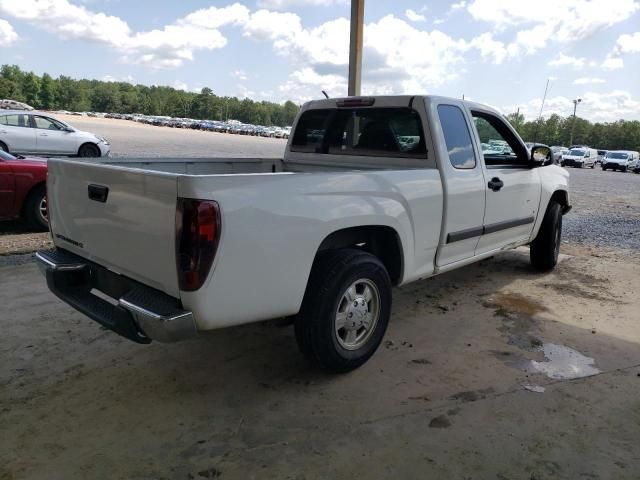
375,132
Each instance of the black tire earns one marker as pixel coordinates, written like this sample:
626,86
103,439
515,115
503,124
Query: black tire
315,326
3,146
545,248
623,169
31,210
593,165
88,150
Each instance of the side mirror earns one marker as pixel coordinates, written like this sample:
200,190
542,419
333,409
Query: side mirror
68,130
540,155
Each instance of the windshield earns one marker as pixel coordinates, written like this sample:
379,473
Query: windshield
618,155
6,156
577,152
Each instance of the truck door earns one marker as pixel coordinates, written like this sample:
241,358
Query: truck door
463,186
512,189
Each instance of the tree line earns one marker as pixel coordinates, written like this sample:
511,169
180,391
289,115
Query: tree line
66,93
556,130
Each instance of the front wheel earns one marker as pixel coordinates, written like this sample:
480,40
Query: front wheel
545,248
88,150
345,311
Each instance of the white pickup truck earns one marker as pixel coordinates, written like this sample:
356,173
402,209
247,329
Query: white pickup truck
372,192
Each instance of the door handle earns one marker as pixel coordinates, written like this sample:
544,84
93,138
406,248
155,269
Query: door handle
44,134
496,184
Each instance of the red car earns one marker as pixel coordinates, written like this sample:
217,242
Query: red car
22,190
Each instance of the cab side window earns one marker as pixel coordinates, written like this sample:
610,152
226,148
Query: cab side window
500,147
456,137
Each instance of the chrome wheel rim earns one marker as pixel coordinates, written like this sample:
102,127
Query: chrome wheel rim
42,209
357,314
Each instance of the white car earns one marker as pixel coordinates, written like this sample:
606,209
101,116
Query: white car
35,133
320,235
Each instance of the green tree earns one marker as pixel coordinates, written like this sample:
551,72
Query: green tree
47,92
31,88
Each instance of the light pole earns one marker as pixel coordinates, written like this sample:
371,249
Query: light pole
573,123
355,47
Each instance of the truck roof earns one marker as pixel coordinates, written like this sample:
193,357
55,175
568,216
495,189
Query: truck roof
391,101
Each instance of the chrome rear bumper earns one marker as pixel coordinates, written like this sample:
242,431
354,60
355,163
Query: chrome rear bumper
127,307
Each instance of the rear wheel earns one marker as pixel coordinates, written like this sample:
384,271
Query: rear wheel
545,248
3,146
35,209
89,150
345,311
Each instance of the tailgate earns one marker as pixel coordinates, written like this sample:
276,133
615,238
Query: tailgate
131,232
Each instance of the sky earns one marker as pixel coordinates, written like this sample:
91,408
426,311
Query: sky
497,52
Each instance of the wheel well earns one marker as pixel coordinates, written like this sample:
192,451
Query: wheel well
381,241
88,143
562,198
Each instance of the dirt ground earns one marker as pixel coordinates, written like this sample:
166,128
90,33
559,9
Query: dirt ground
448,395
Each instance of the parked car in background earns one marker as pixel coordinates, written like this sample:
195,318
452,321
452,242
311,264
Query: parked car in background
558,153
36,133
601,155
634,161
7,104
581,157
22,190
619,160
322,233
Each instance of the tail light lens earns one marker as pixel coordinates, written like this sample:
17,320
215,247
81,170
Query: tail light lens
197,236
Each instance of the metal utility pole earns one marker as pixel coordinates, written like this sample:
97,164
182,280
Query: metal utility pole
573,123
355,47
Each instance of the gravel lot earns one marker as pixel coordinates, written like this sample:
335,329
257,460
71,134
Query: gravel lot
473,381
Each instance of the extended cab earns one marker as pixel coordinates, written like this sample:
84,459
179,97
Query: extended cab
372,192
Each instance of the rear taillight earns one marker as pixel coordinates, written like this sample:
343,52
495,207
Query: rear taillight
197,236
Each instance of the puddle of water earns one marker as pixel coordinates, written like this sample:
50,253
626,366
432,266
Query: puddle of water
564,363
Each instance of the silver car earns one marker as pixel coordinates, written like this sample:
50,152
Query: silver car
36,133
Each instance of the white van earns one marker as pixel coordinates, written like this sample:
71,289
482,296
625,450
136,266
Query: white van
622,160
581,157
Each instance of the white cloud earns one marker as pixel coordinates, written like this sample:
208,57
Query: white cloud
551,20
240,75
562,60
613,63
596,107
284,4
179,85
629,43
491,49
588,80
458,6
8,35
168,47
414,16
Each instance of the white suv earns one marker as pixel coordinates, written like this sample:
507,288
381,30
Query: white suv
36,133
